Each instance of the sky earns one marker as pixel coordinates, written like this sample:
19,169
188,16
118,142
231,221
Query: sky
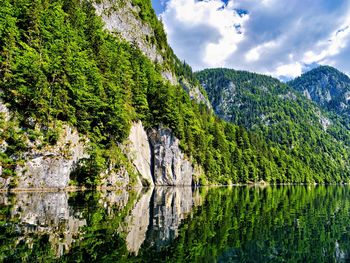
275,37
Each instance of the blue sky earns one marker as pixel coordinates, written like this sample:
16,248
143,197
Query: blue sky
276,37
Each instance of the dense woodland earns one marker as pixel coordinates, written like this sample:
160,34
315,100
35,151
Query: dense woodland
327,87
308,136
58,65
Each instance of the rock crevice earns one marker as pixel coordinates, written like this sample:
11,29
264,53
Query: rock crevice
158,157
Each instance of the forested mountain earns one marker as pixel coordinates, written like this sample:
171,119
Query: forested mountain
74,83
326,86
280,115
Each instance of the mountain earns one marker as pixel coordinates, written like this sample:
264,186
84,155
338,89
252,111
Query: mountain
281,116
326,86
92,95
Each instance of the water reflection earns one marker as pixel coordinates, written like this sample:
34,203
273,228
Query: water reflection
271,224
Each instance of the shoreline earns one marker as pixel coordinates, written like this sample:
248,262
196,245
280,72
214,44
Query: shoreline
109,188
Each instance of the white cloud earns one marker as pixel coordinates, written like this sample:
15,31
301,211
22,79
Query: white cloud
331,47
255,53
220,30
276,37
289,70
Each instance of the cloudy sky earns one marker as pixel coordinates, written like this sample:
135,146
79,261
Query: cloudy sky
281,38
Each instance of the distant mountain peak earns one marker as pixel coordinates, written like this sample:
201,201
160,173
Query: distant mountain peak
326,86
326,70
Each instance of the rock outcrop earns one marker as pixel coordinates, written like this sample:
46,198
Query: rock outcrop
169,165
158,157
140,153
51,167
4,117
195,93
121,17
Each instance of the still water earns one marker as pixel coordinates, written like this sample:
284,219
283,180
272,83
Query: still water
238,224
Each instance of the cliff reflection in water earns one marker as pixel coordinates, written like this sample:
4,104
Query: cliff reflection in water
239,224
63,221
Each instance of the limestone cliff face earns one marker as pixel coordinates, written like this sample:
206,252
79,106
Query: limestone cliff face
158,157
4,116
52,166
140,153
169,164
195,93
122,18
48,167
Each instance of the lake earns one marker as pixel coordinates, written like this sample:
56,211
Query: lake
222,224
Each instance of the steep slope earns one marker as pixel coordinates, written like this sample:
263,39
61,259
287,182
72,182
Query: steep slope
69,70
136,22
60,67
285,118
327,87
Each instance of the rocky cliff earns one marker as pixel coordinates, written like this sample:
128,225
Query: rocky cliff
124,19
168,163
51,167
47,151
139,153
42,165
158,157
327,87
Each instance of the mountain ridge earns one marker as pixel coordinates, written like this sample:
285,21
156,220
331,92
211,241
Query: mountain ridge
278,113
327,87
65,71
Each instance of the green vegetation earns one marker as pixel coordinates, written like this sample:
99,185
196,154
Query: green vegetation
238,224
291,124
294,224
327,87
100,226
58,65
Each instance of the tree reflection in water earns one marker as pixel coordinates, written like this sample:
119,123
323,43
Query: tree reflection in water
238,224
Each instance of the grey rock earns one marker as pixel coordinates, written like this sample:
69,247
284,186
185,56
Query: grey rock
140,152
288,96
168,75
115,178
169,165
3,146
195,93
4,110
325,122
51,167
122,18
4,182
